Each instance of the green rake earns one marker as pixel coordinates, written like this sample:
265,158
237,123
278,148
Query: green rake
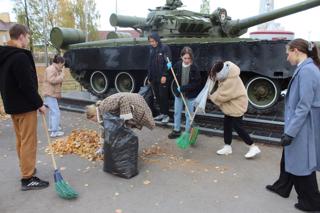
63,189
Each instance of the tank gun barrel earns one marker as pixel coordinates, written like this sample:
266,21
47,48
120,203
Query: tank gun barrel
127,21
235,27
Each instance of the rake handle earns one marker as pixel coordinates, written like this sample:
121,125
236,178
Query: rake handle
45,127
183,99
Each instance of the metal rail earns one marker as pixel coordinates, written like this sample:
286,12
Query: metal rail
267,130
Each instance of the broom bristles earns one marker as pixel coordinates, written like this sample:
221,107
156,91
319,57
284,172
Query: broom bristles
183,141
63,189
194,135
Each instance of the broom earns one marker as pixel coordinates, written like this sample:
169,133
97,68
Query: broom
194,131
182,141
63,189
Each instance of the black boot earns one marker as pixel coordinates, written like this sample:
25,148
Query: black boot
174,134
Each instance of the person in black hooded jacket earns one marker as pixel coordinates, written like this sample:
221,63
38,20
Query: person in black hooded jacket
158,74
19,92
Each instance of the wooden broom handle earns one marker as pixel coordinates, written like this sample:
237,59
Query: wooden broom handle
176,80
45,127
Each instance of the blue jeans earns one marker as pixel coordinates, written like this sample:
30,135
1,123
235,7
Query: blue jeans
54,113
178,106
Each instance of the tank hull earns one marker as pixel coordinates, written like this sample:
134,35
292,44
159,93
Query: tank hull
256,58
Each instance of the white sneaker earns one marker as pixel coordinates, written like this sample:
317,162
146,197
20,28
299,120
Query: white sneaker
159,117
165,119
253,151
226,150
56,134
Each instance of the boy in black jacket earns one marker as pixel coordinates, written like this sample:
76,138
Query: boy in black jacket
158,74
19,92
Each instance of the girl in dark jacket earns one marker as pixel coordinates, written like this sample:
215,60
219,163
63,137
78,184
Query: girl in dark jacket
189,80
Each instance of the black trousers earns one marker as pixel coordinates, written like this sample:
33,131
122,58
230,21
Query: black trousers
305,186
161,91
230,123
284,184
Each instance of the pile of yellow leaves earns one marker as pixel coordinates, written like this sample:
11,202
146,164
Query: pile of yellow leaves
84,143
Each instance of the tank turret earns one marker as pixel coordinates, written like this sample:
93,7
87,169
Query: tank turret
170,22
120,62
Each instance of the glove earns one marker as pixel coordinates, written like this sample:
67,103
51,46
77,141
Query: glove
169,65
179,90
286,140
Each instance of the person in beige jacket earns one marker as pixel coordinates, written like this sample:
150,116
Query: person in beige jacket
53,78
231,97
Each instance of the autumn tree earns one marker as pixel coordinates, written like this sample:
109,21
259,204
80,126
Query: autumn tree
62,13
89,11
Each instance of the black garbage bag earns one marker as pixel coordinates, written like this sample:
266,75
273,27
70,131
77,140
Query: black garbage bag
120,148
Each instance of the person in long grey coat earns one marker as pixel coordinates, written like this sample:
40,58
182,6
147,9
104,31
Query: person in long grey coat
301,138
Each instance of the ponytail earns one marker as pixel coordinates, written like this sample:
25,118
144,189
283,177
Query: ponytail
307,47
313,53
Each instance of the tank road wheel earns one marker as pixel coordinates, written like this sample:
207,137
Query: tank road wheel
124,82
99,82
263,94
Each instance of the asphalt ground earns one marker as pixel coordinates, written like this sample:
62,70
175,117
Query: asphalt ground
170,180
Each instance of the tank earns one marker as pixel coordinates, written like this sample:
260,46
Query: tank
119,64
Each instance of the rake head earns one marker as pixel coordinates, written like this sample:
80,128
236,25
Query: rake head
183,141
63,189
193,135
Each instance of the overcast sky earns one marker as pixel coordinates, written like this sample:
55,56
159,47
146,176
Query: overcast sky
303,24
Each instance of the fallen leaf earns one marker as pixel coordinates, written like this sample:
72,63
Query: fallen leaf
146,182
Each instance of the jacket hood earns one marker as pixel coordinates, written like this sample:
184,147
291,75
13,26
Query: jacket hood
7,51
234,70
155,36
